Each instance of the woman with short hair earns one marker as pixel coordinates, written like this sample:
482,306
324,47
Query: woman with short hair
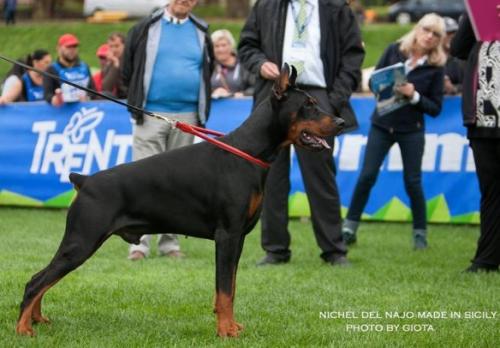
229,77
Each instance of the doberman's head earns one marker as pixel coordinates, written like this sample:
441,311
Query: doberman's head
300,114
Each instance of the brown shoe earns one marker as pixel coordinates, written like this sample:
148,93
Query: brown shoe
136,255
175,254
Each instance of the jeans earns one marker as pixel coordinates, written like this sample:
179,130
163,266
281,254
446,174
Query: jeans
412,150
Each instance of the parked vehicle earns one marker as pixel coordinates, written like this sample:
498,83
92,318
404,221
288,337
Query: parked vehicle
406,11
133,8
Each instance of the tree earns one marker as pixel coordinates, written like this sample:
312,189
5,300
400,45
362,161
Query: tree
46,8
238,8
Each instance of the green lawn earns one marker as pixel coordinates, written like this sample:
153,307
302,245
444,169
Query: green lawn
17,41
110,301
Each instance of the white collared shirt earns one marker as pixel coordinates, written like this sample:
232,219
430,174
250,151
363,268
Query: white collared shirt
310,55
172,19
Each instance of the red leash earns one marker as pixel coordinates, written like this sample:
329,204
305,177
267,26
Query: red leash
200,132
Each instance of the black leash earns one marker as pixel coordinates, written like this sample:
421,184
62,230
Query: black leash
195,130
88,90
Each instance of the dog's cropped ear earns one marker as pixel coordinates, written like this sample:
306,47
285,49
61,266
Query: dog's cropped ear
282,82
293,77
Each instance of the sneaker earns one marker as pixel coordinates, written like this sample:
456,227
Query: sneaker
349,236
136,255
419,242
271,259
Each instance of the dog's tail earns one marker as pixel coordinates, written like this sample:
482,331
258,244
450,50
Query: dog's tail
77,180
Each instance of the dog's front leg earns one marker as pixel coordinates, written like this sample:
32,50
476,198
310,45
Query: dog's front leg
228,248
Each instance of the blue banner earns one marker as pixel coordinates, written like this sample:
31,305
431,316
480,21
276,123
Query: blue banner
40,145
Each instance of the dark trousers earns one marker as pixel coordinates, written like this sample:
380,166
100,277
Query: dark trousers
487,160
10,16
318,173
412,150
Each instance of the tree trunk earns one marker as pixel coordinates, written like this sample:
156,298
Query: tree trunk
43,9
238,8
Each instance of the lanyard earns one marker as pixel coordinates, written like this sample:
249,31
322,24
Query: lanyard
301,28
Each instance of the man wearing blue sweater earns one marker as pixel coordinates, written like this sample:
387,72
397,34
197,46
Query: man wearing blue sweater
167,66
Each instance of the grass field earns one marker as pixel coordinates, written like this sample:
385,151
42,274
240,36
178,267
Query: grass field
112,302
17,41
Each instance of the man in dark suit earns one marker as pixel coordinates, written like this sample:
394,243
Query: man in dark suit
321,38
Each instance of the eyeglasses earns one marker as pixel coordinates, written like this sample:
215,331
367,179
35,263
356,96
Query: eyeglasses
428,30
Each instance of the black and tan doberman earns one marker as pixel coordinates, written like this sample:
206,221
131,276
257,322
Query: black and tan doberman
199,190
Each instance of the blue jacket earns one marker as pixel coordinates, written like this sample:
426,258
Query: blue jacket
428,81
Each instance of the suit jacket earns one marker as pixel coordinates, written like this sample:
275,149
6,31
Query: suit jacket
341,48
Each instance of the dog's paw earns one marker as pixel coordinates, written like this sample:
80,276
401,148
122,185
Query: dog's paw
229,329
25,330
41,320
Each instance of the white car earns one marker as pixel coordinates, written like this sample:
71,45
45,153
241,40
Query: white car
134,8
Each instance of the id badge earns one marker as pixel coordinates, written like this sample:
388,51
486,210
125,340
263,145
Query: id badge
298,44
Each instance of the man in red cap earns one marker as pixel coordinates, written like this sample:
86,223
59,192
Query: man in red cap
69,67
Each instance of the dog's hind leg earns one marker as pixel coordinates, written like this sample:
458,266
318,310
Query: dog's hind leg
227,253
76,247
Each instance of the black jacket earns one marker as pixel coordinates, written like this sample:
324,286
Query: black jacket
465,46
428,81
342,50
134,62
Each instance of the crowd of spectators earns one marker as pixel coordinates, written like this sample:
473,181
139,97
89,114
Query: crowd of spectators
229,77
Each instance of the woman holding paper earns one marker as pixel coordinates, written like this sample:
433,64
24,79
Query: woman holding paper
399,118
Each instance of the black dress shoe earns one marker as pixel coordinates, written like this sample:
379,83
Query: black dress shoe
475,268
271,259
340,261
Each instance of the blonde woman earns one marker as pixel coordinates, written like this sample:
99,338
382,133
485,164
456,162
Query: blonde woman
229,77
422,54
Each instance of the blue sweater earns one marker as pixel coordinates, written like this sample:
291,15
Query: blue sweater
175,81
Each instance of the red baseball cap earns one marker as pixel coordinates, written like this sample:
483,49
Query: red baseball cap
102,51
68,40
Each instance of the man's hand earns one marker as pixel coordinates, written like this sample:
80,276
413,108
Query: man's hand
57,98
113,59
269,71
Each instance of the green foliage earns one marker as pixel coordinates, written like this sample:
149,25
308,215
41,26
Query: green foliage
210,11
111,301
17,41
377,37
